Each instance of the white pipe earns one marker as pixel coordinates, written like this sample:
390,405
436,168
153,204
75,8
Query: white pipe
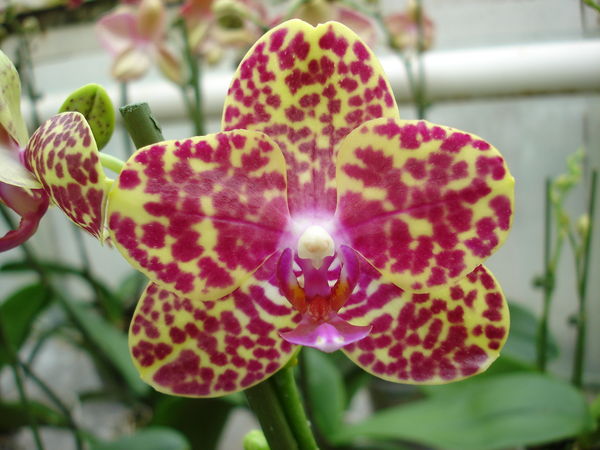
532,69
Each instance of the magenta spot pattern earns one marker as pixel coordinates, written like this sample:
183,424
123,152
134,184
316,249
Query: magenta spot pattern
427,338
63,155
307,88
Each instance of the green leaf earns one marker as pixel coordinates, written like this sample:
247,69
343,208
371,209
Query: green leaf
325,391
131,287
13,416
94,103
19,311
110,303
595,408
200,420
110,341
354,377
154,438
521,343
487,413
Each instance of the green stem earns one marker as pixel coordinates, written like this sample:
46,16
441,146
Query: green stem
415,84
124,91
112,163
548,285
289,397
141,125
592,4
57,402
14,365
582,278
421,100
265,405
195,108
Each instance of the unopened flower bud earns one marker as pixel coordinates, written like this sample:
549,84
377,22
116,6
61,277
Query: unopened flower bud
583,226
152,16
94,103
255,440
230,13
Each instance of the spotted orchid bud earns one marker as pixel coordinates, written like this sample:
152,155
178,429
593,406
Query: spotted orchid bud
94,103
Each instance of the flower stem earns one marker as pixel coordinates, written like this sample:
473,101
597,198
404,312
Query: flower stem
265,405
14,365
548,284
416,83
112,163
195,108
124,91
57,402
582,278
141,125
289,396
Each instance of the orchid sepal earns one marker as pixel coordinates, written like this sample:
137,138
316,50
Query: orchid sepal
307,88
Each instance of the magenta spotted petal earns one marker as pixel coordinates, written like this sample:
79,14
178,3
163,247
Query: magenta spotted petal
424,204
63,155
197,348
307,88
442,336
198,216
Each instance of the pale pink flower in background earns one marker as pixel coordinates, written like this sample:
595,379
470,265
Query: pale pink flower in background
216,25
135,36
404,29
321,11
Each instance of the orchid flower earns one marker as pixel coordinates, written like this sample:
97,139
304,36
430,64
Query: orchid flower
60,163
19,189
403,28
134,35
317,217
215,25
319,11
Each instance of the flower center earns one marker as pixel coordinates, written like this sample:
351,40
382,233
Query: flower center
317,299
315,244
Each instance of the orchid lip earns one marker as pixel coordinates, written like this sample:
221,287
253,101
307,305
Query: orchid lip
326,336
